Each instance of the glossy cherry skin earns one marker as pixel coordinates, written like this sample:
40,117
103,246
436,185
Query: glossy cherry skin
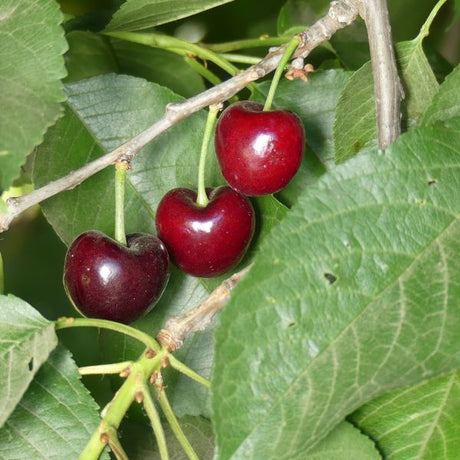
107,280
205,241
258,152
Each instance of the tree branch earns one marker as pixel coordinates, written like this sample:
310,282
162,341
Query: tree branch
341,13
176,329
387,86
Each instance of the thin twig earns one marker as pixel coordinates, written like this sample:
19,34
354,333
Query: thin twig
197,319
113,368
341,14
155,421
387,86
172,420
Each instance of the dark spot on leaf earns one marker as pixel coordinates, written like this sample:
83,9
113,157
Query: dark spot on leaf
357,146
292,324
432,182
330,278
31,364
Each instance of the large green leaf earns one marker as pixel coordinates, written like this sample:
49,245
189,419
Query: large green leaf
445,105
353,294
427,415
144,14
26,341
56,416
31,66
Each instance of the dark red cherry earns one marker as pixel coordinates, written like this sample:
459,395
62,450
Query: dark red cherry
205,241
258,152
107,280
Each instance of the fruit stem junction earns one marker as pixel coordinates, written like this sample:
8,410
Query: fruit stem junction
290,48
202,197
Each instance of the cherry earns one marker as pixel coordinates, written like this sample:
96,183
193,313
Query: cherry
107,280
206,240
258,151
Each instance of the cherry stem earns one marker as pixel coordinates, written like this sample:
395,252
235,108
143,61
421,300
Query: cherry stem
172,420
182,368
155,421
290,48
120,181
114,368
147,340
202,198
114,444
425,30
117,408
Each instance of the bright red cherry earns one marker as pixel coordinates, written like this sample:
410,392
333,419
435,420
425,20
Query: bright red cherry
205,241
107,280
259,151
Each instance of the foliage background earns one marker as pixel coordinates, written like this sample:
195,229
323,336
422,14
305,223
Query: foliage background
32,251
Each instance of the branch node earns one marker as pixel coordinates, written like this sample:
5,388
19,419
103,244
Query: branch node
167,340
342,10
149,353
125,373
176,329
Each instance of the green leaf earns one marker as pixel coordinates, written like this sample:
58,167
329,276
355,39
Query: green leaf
159,66
344,442
355,127
419,82
139,443
426,414
354,294
31,66
355,120
102,113
145,14
26,341
445,106
89,55
56,416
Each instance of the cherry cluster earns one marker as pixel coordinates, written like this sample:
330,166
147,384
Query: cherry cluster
258,152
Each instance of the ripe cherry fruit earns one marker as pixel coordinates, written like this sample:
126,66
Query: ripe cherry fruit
107,280
206,240
258,151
